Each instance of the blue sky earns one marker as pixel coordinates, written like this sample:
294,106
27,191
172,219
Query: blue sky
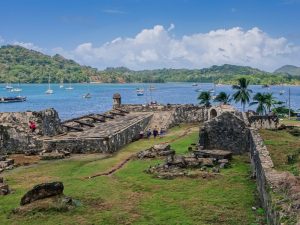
64,26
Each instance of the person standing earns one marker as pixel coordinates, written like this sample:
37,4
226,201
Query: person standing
155,132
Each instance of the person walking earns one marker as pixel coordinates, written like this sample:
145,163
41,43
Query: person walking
149,133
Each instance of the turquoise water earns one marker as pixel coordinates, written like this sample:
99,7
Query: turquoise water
69,103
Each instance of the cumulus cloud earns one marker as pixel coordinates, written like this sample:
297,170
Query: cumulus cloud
28,45
157,48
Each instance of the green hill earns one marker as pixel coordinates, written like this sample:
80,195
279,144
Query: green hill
18,64
289,69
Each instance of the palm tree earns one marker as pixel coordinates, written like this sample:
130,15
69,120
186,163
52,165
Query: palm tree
205,98
270,101
243,92
261,101
222,97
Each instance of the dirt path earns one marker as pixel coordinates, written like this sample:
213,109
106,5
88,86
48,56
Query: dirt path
124,162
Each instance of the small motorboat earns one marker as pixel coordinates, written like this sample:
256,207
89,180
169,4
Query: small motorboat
198,90
12,99
87,95
139,92
281,92
194,84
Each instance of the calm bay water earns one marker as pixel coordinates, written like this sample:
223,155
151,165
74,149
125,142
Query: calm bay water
69,103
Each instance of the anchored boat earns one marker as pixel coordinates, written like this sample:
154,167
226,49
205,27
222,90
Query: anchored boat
12,99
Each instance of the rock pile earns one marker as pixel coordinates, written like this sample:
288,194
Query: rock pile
177,166
52,155
5,163
4,189
156,151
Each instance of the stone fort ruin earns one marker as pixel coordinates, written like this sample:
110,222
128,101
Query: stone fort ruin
221,127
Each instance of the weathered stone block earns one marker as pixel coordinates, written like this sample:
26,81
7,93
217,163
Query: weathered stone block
42,191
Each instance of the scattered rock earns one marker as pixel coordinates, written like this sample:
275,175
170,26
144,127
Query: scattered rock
4,189
216,170
155,151
42,191
217,154
2,157
52,156
6,163
59,203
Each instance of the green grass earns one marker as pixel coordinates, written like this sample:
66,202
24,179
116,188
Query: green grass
290,122
131,196
282,144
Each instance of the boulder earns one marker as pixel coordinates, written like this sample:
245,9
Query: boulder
4,189
6,163
161,147
42,191
2,157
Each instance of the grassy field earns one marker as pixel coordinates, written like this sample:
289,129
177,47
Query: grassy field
281,145
131,196
291,122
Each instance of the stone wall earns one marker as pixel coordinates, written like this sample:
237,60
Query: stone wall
225,132
263,122
15,135
106,145
279,192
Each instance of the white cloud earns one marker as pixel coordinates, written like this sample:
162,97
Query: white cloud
28,45
157,48
2,41
171,27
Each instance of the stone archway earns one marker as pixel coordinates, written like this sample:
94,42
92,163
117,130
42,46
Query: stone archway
213,113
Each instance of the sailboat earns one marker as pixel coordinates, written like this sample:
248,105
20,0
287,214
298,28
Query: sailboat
61,83
49,91
17,89
70,86
8,86
88,94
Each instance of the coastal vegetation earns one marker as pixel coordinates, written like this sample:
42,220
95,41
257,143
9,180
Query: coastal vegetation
131,196
18,64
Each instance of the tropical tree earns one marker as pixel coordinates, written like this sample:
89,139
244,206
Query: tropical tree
243,93
261,101
271,101
205,98
222,97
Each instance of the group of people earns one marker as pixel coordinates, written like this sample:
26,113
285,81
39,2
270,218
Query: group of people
155,132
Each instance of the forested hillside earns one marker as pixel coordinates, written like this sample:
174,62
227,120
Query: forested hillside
18,64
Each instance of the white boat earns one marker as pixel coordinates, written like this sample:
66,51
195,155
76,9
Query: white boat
8,87
70,87
281,92
61,84
16,90
49,91
194,84
139,92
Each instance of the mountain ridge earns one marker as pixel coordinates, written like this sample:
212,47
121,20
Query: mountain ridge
19,64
